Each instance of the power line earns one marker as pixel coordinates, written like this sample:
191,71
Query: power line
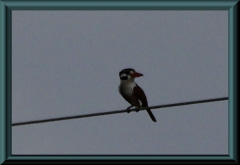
118,111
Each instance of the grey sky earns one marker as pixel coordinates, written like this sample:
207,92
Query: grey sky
67,62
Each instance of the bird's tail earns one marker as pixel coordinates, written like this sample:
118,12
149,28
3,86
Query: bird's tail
151,115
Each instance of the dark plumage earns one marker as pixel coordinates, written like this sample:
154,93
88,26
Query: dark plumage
131,92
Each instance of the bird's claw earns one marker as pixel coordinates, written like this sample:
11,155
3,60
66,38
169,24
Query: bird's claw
137,110
128,110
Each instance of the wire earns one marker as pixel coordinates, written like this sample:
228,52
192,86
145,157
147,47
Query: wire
118,111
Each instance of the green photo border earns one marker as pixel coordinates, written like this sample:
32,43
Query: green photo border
6,7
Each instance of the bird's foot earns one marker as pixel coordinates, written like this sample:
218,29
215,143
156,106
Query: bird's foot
129,109
137,110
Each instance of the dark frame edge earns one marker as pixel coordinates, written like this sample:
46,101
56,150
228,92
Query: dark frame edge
3,99
235,50
5,83
233,107
120,4
9,79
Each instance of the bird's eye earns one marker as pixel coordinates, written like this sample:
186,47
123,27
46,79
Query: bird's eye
131,72
124,78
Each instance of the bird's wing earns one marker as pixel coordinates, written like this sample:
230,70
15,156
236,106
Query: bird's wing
140,95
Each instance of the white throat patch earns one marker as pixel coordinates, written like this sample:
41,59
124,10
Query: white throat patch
127,87
123,75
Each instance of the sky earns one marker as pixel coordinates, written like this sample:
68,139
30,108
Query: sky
66,63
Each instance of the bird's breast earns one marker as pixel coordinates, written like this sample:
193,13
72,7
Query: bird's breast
127,89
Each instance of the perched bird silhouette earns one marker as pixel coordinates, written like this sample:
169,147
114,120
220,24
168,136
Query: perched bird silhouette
131,92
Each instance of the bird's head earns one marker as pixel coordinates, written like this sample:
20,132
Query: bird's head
129,73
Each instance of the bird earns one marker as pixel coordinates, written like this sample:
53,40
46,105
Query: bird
133,93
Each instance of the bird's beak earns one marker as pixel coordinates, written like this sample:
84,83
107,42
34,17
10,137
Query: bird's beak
136,74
